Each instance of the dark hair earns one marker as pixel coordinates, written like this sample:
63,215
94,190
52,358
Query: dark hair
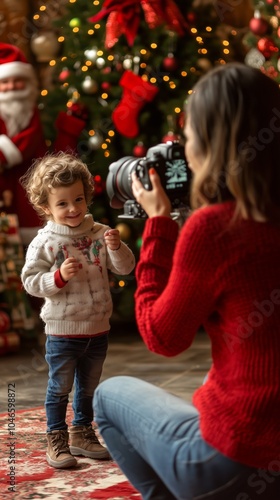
234,111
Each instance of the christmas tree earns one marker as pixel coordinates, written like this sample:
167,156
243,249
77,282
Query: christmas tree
128,68
263,38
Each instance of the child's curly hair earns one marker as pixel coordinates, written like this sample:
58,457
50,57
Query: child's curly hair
52,171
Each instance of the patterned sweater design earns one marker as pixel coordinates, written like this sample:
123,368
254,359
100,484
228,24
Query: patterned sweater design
83,305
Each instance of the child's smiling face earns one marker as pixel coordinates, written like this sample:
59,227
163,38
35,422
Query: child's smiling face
67,204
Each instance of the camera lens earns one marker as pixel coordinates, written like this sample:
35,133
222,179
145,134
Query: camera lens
118,182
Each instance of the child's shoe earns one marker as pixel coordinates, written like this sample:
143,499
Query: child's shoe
83,441
58,453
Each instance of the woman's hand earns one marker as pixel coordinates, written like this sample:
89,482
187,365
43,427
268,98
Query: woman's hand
154,202
112,239
69,268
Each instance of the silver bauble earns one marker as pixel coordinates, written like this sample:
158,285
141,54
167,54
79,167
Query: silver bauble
89,85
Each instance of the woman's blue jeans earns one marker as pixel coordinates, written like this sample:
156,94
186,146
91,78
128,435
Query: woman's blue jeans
155,439
77,362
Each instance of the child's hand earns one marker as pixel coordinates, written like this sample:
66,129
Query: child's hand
69,268
112,239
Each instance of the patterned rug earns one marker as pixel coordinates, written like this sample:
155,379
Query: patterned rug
25,474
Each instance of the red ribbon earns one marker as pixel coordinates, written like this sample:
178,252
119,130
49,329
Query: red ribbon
124,18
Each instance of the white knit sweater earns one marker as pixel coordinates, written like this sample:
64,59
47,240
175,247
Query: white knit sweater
84,305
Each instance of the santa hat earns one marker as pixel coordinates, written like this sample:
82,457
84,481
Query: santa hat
14,63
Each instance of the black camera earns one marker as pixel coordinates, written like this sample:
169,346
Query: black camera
168,159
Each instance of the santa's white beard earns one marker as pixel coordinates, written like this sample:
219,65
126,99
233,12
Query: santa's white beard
17,108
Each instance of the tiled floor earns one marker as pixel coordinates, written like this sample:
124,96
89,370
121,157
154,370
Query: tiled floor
127,355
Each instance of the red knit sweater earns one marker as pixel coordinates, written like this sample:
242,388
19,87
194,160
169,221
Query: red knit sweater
226,277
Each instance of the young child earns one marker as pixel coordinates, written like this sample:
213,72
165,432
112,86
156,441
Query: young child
221,271
66,264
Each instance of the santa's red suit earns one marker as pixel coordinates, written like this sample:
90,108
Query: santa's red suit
18,149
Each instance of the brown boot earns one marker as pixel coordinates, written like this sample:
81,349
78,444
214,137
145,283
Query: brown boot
83,441
58,453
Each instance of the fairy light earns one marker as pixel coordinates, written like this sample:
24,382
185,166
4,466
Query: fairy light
44,92
193,30
184,73
84,68
99,53
36,17
121,283
107,154
143,65
199,39
96,2
76,29
104,95
52,62
153,46
143,52
172,85
43,8
64,58
104,145
111,133
177,110
111,58
274,22
166,78
97,26
72,1
61,39
153,80
208,28
91,132
88,63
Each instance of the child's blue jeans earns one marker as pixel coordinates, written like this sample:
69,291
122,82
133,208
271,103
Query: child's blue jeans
155,439
77,362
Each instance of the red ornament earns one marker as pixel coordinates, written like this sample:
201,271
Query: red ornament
139,150
170,63
105,86
64,75
266,47
99,185
106,70
192,17
170,136
78,109
259,26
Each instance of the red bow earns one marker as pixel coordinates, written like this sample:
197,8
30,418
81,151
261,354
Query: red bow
124,18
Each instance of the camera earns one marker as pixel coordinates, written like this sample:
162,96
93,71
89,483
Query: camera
168,159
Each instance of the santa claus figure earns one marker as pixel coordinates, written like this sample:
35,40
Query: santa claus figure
21,135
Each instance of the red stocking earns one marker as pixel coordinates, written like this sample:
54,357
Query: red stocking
136,93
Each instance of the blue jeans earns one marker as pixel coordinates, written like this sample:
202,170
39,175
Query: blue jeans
155,439
77,361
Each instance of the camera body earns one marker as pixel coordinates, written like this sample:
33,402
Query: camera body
168,159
